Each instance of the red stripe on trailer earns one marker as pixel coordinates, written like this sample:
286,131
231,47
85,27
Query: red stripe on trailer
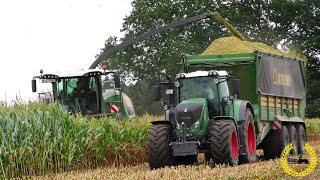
276,125
114,108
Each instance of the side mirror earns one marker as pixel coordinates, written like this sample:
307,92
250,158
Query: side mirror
236,86
34,85
116,80
157,95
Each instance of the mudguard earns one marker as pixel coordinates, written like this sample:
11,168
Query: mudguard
240,109
162,122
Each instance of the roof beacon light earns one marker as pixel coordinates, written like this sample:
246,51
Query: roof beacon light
41,72
104,67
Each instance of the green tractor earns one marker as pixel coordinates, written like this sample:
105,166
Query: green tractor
202,116
92,93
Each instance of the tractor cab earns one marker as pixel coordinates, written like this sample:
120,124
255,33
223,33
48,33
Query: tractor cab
211,86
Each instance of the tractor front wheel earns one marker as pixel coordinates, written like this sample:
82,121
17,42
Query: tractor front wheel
224,142
159,154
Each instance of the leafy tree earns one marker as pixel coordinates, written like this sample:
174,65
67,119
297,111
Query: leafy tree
146,62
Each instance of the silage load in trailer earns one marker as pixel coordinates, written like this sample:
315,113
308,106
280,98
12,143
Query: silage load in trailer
233,45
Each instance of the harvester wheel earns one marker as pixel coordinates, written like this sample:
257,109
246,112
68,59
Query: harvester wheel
302,139
224,142
247,139
159,154
293,138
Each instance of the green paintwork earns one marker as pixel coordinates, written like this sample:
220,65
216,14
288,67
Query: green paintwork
204,116
236,109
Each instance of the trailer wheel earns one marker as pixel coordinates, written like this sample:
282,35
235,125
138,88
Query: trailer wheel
275,141
159,154
284,139
270,145
302,139
224,142
247,139
293,138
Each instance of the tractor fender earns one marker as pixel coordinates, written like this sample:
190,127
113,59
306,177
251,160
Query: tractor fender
162,122
240,107
227,118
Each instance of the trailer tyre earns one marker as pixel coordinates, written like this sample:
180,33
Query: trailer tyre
224,142
293,138
284,139
301,136
247,139
275,141
159,154
270,145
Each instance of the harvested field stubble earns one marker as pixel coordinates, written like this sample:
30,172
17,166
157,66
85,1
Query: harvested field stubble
233,45
259,170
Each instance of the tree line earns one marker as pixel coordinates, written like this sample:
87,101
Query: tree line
291,24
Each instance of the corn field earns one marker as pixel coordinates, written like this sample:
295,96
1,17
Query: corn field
39,139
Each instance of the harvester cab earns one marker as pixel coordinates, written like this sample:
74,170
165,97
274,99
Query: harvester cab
91,93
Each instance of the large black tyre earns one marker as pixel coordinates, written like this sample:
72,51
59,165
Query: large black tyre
186,160
275,141
224,142
159,154
293,138
247,139
302,138
284,139
270,146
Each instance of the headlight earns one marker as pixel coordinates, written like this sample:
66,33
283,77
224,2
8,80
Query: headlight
195,126
212,73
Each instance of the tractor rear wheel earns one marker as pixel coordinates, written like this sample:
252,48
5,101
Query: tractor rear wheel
247,139
302,139
159,154
293,138
224,142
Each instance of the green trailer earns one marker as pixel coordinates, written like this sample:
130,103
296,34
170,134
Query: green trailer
202,116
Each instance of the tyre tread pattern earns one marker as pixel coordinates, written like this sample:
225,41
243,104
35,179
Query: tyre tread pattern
221,150
158,146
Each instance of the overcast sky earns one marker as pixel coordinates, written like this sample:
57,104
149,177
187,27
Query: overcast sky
55,35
